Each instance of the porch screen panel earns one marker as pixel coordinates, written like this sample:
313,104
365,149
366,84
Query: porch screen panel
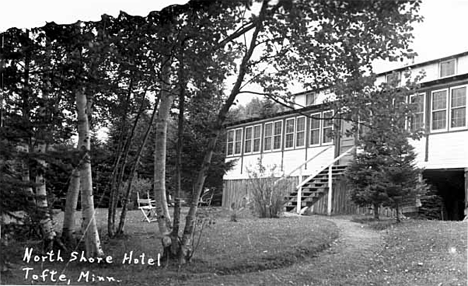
300,131
439,110
277,135
327,127
257,133
230,143
238,142
248,140
417,120
268,136
289,137
458,107
315,129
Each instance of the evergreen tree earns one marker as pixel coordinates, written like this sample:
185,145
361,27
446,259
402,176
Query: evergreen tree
384,172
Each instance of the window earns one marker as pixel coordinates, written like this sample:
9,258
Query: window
234,142
248,140
252,139
447,68
257,133
238,142
311,98
277,135
439,110
416,121
267,138
230,143
394,78
327,136
315,129
289,136
300,131
458,107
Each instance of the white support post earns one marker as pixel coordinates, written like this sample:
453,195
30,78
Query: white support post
299,194
299,204
330,190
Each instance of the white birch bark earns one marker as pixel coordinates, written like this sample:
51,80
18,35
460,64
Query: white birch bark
162,209
89,226
47,227
68,229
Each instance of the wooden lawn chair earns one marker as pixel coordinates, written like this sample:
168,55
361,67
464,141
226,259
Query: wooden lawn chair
206,197
147,207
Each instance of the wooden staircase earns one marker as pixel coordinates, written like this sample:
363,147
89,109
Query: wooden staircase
314,189
315,186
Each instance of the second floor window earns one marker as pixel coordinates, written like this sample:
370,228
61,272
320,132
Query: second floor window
447,68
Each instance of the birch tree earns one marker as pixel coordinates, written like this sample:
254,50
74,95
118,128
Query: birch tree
73,192
89,226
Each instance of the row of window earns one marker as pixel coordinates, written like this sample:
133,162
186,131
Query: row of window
448,109
251,138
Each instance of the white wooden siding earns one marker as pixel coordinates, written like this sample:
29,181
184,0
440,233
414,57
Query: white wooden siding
448,150
463,65
420,150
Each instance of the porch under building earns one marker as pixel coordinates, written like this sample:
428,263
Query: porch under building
451,186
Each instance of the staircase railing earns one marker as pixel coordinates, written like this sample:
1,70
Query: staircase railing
329,165
302,165
323,167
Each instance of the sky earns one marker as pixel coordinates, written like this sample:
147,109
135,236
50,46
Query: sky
442,33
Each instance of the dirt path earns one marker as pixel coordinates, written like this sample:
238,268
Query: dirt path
344,263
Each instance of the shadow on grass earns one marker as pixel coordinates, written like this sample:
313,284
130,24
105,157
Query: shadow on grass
249,245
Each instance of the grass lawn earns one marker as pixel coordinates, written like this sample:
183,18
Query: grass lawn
226,247
423,253
285,251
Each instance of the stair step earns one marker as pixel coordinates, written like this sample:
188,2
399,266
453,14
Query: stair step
305,197
314,189
316,185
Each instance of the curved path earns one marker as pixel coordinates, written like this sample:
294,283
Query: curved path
346,262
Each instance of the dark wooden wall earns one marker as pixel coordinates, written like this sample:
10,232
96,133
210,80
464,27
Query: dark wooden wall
237,193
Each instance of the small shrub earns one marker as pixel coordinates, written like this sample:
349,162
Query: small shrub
267,192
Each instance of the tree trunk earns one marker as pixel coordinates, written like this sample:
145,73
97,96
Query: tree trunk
71,203
162,209
376,211
89,226
175,242
47,227
119,168
186,243
127,194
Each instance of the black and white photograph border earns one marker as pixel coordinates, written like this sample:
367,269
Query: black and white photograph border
249,142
